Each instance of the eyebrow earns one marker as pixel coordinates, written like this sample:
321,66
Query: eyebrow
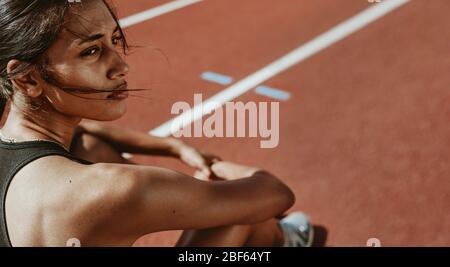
94,37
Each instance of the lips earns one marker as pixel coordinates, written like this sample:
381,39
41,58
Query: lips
120,92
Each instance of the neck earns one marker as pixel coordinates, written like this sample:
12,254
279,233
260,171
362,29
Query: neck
40,124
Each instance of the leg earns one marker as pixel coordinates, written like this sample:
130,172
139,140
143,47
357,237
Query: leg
91,148
263,234
266,234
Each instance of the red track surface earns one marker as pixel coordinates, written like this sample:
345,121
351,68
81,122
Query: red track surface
364,138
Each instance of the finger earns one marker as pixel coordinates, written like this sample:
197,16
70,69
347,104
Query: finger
194,160
201,175
201,164
210,158
206,171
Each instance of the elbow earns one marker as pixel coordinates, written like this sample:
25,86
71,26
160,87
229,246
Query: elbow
281,199
281,196
290,198
286,197
274,203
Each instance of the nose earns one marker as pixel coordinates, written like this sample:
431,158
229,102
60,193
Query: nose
119,67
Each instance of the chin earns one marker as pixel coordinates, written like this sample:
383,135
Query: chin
110,114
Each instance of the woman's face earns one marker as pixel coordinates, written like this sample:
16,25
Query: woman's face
91,58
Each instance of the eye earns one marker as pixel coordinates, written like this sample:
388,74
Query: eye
116,40
90,51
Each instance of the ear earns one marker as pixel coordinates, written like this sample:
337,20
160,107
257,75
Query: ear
27,82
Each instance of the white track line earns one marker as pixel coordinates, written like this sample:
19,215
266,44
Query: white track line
155,12
150,14
303,52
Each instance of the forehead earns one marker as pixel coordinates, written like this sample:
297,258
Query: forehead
87,18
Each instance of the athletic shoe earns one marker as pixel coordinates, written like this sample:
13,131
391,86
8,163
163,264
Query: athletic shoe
297,230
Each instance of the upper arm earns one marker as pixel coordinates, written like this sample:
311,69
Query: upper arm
133,200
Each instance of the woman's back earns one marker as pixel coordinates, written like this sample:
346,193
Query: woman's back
20,187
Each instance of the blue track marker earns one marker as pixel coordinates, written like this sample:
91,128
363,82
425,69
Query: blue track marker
272,92
216,78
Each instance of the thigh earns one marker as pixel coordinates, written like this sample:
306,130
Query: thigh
224,236
94,149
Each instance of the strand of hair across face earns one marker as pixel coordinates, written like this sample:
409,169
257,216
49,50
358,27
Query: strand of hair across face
72,90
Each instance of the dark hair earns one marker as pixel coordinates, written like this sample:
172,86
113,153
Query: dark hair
27,29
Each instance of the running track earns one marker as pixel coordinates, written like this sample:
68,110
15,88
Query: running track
364,137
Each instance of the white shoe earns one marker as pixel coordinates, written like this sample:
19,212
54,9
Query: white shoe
297,230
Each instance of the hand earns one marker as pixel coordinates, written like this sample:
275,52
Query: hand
196,159
226,170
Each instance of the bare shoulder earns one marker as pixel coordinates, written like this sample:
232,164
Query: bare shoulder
54,199
46,196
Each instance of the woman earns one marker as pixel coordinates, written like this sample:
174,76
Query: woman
64,178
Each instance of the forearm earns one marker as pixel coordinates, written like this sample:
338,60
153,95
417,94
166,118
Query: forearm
260,196
132,141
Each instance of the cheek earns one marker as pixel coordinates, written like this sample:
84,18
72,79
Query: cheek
103,110
89,75
85,75
81,74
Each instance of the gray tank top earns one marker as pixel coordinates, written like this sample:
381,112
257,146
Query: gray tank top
13,157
